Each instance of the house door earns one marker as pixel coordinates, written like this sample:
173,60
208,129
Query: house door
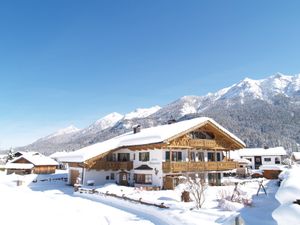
123,178
257,161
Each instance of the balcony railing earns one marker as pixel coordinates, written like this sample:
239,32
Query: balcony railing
176,167
203,143
107,165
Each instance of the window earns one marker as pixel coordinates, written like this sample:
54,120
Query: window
202,135
211,156
277,160
201,156
143,178
148,178
112,176
168,156
267,159
219,157
176,156
111,157
123,157
144,156
193,156
107,177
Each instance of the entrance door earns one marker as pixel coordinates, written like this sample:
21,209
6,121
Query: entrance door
257,161
123,178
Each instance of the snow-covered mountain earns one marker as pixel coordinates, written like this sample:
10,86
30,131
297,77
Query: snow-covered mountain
107,121
62,132
142,112
264,89
261,112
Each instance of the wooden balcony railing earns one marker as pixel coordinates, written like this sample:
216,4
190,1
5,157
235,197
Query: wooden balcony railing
107,165
203,143
176,167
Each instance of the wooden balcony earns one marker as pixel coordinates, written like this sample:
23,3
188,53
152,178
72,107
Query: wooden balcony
198,143
177,167
107,165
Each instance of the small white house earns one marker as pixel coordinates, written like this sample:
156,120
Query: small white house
262,156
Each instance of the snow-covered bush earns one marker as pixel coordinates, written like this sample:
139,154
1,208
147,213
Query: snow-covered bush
287,162
230,206
225,197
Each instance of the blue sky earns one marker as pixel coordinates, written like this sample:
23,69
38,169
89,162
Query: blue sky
68,62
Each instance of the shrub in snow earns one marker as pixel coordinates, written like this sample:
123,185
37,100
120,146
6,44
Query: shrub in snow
287,162
237,196
230,206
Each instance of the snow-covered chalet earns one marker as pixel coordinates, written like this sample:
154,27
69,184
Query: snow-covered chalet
157,156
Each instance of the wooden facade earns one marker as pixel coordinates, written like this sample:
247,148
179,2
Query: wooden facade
179,167
44,169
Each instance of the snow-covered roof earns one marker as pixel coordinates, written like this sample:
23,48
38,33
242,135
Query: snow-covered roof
58,154
296,155
151,135
278,151
243,161
19,166
37,159
272,167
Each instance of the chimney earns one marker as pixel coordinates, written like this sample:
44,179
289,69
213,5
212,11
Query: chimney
136,128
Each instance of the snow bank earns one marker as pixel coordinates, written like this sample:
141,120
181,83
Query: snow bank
288,213
289,189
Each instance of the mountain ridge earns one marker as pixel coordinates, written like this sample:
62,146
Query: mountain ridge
248,100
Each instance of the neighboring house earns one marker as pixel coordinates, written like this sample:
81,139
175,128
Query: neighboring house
263,156
157,156
296,157
28,163
56,156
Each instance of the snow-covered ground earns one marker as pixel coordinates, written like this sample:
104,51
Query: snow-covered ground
53,202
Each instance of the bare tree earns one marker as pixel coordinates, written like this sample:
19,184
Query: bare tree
197,188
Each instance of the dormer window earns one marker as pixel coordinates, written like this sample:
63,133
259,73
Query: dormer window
202,135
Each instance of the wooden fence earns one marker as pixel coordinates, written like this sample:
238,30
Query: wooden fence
123,197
